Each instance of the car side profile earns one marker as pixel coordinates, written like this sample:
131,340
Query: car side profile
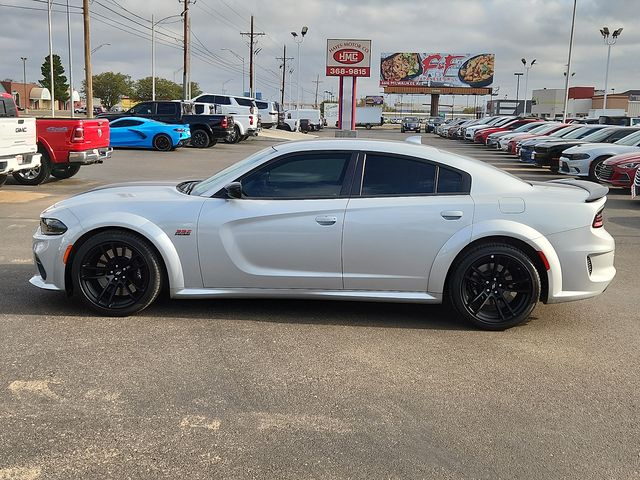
135,132
334,219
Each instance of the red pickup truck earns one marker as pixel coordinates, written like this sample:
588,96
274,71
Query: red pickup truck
66,144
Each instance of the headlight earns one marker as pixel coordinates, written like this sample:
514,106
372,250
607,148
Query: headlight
52,226
577,156
627,166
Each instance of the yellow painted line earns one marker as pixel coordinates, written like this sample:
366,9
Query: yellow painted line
17,196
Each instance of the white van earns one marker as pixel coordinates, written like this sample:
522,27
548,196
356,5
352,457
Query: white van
311,114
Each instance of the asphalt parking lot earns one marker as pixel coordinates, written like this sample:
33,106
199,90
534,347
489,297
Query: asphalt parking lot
302,389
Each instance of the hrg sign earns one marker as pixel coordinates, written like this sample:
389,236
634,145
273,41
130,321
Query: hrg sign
348,58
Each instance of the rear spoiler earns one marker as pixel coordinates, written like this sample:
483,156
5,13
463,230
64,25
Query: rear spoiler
595,190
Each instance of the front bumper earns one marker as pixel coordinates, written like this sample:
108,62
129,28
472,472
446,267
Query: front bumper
575,168
88,157
616,176
16,163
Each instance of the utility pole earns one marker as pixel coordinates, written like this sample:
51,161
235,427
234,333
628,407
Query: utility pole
284,59
25,102
53,97
185,39
88,74
251,35
70,61
317,81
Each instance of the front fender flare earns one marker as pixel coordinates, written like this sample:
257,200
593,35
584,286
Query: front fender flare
494,228
148,230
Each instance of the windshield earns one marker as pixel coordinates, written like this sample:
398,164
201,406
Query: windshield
526,127
599,135
502,121
631,140
564,131
547,127
256,158
579,132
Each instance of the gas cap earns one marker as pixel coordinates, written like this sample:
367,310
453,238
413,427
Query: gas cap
511,205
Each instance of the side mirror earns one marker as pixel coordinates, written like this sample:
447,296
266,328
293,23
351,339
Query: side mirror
234,190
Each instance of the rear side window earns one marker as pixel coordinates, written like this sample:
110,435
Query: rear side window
206,99
169,108
450,181
245,102
7,108
219,99
262,105
388,175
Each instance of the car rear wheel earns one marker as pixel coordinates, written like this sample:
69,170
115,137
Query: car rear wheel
66,171
116,273
494,286
37,175
162,143
200,138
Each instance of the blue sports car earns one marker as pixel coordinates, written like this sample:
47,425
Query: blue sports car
139,132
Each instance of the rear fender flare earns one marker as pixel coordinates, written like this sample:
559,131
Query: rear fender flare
494,228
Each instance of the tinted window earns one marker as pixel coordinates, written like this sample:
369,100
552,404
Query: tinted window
7,108
206,99
168,108
126,123
386,175
222,100
450,181
262,105
142,109
299,176
245,102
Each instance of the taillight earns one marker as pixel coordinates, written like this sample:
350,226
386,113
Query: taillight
179,130
78,134
224,123
598,220
250,119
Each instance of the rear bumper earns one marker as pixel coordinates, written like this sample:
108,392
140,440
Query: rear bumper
16,163
88,157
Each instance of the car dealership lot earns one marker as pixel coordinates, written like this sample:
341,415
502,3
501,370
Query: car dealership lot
295,389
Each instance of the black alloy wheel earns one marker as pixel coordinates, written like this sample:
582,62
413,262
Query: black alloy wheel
37,175
116,273
66,171
495,286
162,143
595,169
200,138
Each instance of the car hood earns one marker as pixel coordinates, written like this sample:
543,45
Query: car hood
609,147
623,158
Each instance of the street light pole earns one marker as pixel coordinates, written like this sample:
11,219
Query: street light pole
299,42
25,102
566,81
53,110
526,81
609,42
242,59
70,61
518,75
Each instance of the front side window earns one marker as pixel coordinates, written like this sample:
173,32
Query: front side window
390,175
142,109
125,123
303,175
167,108
262,105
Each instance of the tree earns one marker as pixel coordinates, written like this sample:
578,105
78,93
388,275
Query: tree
195,89
165,89
60,84
110,87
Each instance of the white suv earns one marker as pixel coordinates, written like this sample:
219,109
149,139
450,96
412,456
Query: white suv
269,113
233,105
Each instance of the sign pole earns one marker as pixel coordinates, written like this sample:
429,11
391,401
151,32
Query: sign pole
353,103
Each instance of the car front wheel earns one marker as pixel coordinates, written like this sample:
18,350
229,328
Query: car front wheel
116,273
494,286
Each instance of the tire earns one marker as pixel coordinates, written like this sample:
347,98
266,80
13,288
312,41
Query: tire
200,138
162,143
66,171
35,176
3,179
594,169
244,137
494,286
116,273
368,126
212,142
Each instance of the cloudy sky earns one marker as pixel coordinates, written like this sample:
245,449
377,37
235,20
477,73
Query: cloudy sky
511,29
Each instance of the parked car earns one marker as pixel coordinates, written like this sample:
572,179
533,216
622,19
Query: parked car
548,153
524,148
18,141
205,130
98,110
470,131
492,138
635,187
66,144
310,114
271,113
243,110
82,110
585,160
335,219
135,132
432,123
620,170
410,124
509,142
482,135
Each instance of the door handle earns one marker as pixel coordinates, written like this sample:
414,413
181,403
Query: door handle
326,220
451,214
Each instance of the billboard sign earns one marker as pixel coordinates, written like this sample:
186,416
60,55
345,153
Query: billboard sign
402,69
373,100
348,58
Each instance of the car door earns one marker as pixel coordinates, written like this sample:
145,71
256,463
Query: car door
286,230
403,212
119,134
